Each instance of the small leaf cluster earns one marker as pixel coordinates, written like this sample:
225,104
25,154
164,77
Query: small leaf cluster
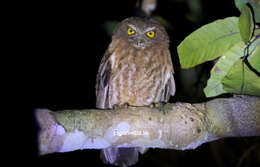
235,43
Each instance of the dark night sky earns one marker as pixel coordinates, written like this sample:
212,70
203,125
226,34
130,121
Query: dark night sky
64,46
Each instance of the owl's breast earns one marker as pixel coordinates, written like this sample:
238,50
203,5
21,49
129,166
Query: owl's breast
138,77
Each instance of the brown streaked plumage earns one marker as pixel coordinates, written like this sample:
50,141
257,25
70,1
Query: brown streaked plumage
136,70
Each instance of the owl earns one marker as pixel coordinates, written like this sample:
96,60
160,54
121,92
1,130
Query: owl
136,70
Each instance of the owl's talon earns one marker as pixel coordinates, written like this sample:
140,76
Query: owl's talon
120,106
157,105
152,105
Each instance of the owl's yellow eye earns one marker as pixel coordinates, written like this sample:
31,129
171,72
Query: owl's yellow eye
130,31
150,34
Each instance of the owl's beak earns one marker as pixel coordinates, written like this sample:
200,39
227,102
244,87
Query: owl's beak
140,43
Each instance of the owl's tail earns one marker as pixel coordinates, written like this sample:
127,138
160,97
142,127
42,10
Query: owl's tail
122,157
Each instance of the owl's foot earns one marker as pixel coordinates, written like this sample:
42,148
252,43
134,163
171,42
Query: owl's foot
160,106
157,105
120,106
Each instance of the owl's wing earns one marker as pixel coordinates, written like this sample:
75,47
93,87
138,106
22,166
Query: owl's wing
170,88
171,84
102,81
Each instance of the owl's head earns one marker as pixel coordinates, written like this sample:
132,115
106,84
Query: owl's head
141,32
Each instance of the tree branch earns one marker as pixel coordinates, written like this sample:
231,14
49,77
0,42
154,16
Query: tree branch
173,126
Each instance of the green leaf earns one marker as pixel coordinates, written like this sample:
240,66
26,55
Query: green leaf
255,42
256,8
222,67
226,75
256,32
233,81
246,24
254,59
240,3
209,42
255,5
